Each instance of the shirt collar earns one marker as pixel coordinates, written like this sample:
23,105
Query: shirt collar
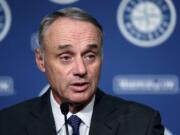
85,114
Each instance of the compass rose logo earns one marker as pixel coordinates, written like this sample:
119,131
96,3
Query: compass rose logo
5,19
146,23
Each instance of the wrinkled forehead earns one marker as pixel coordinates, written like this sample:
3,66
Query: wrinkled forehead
62,25
72,24
68,30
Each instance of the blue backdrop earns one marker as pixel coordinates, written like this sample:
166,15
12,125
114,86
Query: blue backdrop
141,50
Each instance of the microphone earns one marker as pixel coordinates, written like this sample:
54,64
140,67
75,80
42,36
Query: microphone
64,110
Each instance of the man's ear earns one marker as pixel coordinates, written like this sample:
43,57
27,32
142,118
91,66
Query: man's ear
39,59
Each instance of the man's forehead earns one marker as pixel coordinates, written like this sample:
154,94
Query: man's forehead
65,21
64,36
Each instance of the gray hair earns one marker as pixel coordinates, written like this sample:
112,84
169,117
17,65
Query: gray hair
72,13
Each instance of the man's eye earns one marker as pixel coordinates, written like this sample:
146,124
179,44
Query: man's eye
66,58
90,57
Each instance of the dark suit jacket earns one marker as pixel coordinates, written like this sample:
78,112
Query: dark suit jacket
111,116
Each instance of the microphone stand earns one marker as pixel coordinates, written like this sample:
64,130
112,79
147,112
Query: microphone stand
65,109
66,125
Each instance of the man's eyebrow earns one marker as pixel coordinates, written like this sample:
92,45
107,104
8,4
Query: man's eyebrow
92,46
65,46
68,46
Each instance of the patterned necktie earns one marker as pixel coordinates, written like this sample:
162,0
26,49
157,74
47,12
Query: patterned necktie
74,121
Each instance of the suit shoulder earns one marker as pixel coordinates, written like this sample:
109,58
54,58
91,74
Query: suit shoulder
19,107
130,106
141,107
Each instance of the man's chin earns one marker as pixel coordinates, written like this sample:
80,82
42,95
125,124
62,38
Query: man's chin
81,101
78,101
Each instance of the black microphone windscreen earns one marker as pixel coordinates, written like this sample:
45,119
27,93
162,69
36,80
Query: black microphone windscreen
64,108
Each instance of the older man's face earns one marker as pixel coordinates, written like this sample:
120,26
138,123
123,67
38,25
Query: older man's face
72,59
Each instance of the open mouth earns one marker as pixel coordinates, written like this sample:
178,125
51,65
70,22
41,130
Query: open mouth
79,86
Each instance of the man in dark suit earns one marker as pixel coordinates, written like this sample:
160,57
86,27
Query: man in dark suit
70,54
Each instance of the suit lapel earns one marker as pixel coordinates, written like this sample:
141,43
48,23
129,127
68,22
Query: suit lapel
106,118
41,121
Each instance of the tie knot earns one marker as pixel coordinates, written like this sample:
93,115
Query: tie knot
74,121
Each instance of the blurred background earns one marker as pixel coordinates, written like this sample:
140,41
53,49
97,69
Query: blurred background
141,51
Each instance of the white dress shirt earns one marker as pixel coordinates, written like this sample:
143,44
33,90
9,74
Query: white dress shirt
85,116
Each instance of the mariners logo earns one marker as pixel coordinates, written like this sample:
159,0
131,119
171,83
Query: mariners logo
146,23
5,19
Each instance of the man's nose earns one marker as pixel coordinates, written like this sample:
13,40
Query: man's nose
80,68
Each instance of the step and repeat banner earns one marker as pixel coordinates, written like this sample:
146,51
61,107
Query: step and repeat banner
141,51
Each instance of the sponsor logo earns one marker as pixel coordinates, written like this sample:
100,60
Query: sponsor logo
5,19
63,1
146,23
6,86
146,84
